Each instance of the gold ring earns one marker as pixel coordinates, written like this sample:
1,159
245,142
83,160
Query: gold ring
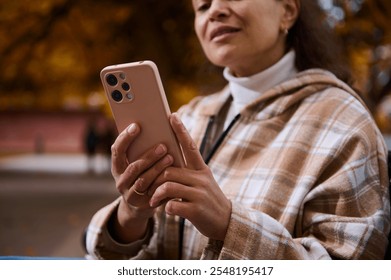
139,193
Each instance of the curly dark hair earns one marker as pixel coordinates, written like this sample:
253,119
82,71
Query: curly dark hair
315,43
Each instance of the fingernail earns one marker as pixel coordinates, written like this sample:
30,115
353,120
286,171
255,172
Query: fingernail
161,149
176,118
152,203
167,160
132,128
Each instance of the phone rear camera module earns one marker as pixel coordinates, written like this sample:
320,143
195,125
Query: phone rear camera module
117,96
112,80
125,86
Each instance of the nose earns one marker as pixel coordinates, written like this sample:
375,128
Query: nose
219,9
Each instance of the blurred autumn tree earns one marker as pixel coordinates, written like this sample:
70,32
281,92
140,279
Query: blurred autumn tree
51,51
364,27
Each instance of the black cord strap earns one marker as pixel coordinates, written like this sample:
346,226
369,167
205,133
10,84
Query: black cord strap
220,139
206,134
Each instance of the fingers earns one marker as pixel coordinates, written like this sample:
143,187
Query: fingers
176,207
142,185
170,190
142,172
179,199
118,149
201,207
182,176
193,157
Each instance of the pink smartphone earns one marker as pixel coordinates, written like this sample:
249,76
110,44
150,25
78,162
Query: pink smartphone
136,95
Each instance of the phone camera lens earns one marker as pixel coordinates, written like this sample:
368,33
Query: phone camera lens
129,96
111,80
125,86
116,95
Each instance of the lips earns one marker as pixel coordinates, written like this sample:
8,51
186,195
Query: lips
222,30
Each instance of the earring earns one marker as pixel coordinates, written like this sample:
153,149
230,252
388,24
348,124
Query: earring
284,30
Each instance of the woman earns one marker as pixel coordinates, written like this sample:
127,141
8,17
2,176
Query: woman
284,163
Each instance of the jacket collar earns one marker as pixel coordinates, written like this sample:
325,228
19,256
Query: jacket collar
282,96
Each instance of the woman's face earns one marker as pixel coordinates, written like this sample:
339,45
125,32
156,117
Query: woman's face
247,36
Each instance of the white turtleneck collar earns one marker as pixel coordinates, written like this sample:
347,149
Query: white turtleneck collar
244,90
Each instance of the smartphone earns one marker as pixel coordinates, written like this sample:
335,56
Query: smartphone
136,95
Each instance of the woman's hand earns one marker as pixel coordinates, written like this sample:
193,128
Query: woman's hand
133,181
193,191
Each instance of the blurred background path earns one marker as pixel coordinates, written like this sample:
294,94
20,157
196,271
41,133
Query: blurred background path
46,201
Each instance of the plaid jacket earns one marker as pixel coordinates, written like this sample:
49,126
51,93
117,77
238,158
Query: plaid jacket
305,169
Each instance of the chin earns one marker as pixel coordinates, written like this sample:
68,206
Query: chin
222,59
